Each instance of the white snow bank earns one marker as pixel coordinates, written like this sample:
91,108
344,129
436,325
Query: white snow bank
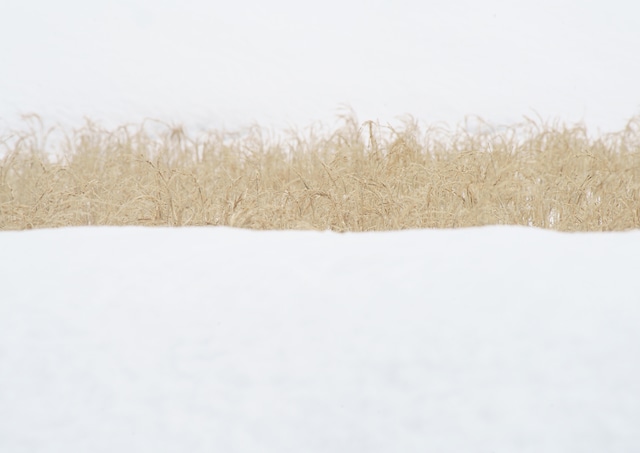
499,339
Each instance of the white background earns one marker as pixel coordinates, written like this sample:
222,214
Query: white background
212,63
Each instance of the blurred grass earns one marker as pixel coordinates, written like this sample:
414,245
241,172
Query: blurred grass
354,177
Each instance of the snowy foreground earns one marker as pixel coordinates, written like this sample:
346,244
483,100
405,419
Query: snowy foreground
496,339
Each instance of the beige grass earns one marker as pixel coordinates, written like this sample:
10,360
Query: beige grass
358,177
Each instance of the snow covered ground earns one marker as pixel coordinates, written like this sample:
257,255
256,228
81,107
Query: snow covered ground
495,339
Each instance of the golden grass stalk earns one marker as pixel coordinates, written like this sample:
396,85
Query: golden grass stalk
356,177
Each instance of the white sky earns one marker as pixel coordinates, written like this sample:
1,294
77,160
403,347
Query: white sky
213,63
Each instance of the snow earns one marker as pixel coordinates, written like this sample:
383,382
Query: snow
501,339
213,64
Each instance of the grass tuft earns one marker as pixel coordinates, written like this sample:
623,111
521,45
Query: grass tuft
355,177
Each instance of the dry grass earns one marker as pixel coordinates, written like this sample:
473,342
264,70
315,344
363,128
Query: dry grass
359,177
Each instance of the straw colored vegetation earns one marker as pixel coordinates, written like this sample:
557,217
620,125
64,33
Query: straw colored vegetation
355,177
